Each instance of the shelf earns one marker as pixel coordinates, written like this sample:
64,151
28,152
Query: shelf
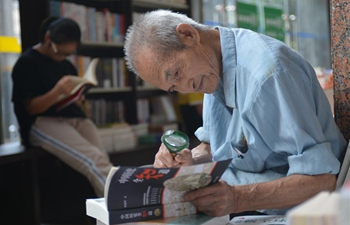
146,88
113,5
147,92
101,49
101,90
138,156
102,44
110,94
158,4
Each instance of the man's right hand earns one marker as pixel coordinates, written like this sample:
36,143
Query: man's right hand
164,159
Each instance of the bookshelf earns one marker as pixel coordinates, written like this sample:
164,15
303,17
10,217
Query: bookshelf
108,45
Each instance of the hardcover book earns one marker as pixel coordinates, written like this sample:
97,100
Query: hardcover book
145,193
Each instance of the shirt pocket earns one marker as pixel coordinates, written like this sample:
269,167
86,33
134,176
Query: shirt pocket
249,161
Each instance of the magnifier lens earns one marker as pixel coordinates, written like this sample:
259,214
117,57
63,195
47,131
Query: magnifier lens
175,141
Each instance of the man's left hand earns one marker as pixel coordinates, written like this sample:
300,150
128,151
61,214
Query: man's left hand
218,199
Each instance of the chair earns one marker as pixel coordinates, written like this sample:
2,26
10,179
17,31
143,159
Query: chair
344,173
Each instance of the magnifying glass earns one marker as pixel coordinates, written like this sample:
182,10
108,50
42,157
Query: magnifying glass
175,141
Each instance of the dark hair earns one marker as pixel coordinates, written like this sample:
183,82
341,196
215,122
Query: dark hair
61,30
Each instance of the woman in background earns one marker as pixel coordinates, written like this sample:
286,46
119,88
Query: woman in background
39,78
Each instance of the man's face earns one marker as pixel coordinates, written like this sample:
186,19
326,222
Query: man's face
191,70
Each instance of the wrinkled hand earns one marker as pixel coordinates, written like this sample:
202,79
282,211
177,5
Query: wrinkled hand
64,85
164,159
215,200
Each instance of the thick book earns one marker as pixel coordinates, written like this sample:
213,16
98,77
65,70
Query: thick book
197,219
143,193
81,85
97,208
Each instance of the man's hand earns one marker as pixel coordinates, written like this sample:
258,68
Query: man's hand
221,199
218,199
164,159
187,157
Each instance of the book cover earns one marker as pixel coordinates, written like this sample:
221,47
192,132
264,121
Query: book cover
145,193
81,85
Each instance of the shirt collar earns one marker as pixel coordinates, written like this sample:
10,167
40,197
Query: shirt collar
228,51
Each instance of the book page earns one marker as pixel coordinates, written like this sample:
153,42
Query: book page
90,73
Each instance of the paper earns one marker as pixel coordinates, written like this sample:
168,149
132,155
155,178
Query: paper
259,220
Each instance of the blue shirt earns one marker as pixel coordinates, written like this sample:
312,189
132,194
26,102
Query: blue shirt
270,106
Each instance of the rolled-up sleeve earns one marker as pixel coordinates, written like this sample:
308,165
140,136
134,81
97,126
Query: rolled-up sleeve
314,160
202,133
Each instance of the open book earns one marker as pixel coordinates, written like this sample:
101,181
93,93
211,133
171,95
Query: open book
82,84
146,193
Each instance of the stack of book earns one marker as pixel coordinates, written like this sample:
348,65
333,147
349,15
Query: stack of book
118,137
326,208
320,209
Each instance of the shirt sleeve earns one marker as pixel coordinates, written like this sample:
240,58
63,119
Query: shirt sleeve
202,133
25,79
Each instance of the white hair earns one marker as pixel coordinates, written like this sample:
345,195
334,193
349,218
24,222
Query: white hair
156,32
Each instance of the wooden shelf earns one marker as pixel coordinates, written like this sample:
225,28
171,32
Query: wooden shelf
101,49
101,90
102,44
157,4
138,156
147,92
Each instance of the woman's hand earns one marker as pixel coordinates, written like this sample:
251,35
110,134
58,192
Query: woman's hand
80,101
64,85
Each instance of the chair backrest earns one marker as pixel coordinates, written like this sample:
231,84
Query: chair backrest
344,173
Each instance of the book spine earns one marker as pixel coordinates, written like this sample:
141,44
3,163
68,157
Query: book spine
151,212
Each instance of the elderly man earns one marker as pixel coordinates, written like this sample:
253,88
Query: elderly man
263,107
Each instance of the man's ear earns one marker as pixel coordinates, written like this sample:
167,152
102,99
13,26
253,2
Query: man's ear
188,35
